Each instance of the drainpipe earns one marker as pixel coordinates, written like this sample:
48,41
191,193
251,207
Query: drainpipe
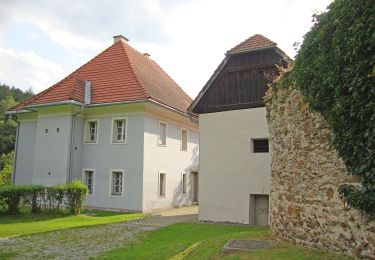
15,153
71,150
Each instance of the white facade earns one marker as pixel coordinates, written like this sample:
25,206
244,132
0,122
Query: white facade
230,171
51,149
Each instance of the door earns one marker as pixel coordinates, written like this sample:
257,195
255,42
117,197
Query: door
195,187
261,210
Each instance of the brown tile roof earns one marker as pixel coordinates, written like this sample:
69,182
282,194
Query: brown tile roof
120,73
257,41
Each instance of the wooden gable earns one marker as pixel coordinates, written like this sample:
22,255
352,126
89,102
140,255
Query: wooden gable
240,81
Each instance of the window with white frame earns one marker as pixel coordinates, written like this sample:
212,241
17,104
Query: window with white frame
88,176
162,140
116,182
119,130
184,140
184,183
162,184
91,131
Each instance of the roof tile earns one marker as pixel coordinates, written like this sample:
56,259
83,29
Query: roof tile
120,73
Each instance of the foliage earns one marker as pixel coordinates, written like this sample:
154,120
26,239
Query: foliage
6,166
205,241
9,97
53,197
7,135
27,223
75,192
335,70
12,195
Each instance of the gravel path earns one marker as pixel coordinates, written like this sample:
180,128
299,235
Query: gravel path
82,243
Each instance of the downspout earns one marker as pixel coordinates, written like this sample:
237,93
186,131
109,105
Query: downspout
15,153
71,151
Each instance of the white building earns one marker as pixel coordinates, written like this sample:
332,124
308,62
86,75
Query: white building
120,123
235,164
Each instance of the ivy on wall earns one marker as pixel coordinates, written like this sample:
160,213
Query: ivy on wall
335,70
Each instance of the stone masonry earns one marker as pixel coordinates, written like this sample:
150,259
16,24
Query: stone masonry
306,172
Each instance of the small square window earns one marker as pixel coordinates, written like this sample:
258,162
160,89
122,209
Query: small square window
46,130
162,184
184,140
162,140
116,183
260,146
89,180
91,131
119,130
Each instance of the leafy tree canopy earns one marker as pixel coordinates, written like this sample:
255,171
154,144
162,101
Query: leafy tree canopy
335,70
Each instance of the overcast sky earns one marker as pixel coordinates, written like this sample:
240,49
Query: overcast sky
41,41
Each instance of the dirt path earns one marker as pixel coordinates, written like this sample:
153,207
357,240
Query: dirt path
82,243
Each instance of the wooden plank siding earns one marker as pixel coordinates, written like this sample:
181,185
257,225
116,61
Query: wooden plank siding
241,83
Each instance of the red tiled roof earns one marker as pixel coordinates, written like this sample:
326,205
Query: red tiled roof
120,73
257,41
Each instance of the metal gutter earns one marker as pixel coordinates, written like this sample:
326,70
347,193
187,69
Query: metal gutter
71,151
15,153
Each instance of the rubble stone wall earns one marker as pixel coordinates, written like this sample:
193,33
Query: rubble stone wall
306,173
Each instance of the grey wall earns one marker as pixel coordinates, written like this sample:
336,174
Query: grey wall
77,148
51,156
25,155
128,157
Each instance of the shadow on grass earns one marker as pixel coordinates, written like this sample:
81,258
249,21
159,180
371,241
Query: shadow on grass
26,216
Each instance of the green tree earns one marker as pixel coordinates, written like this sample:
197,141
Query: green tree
335,70
6,166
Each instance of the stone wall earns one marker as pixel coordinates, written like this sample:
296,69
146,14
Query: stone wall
306,173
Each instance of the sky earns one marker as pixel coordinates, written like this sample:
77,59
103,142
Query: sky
42,41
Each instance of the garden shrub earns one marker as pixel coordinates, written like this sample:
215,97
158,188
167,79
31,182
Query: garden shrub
12,195
335,70
75,194
53,197
32,194
72,194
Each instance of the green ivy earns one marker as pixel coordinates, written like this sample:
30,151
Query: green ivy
335,70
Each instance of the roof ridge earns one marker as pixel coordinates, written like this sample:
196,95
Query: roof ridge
246,45
124,46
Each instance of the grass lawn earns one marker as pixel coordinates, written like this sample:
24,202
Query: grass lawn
202,241
29,223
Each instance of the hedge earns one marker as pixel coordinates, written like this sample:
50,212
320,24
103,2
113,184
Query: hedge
51,199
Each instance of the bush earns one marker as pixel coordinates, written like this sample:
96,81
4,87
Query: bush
72,194
32,194
53,197
12,195
335,70
75,194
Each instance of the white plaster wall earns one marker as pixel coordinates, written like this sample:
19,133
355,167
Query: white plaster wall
25,152
51,152
105,156
169,159
229,170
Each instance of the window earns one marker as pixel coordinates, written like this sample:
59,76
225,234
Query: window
119,130
184,183
91,131
260,146
116,182
162,184
162,140
88,178
183,140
